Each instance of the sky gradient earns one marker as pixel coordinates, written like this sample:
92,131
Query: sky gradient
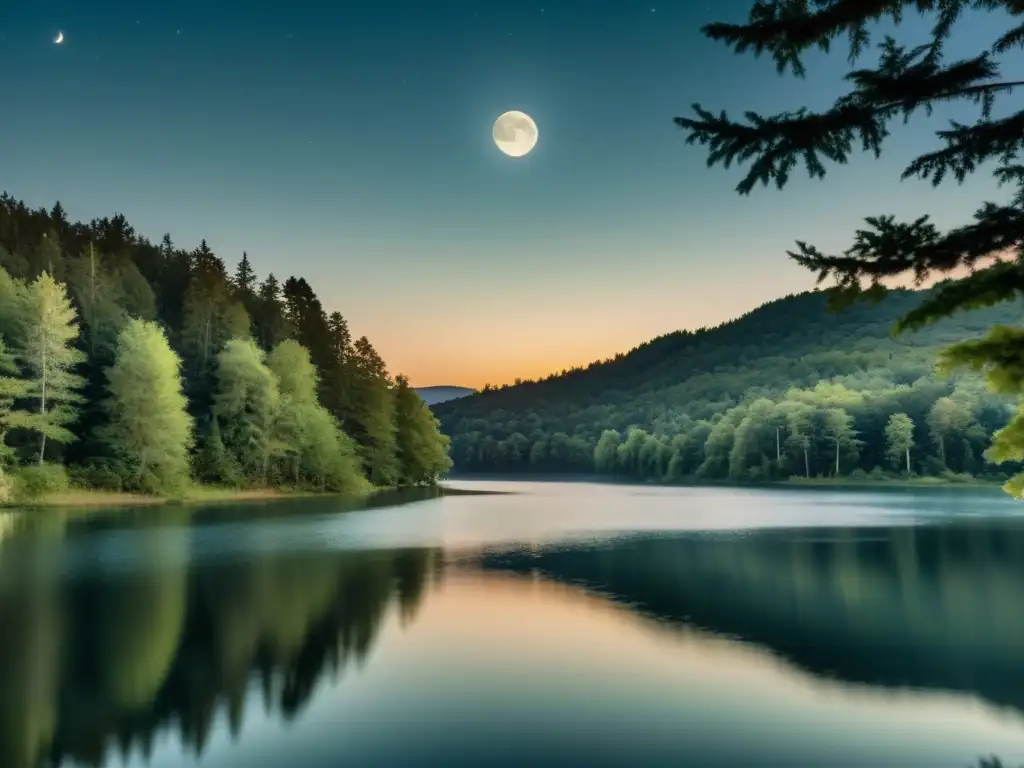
350,143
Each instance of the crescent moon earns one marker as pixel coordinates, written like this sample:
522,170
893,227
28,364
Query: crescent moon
59,38
515,133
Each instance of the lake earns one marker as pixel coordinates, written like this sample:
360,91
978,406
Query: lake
547,624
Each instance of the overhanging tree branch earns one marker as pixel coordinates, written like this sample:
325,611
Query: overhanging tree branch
904,81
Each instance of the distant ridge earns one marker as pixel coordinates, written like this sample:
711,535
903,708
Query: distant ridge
686,394
442,394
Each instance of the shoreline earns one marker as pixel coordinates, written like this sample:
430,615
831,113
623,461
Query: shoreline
89,499
925,482
84,498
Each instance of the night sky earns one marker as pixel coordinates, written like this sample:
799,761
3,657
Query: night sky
350,143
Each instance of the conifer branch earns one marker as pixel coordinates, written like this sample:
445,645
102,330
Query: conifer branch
905,81
985,288
890,248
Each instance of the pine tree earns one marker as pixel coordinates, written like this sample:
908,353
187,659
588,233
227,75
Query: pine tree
372,424
906,81
210,317
269,321
245,279
46,257
49,358
337,379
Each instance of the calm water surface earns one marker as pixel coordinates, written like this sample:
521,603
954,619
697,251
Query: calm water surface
553,624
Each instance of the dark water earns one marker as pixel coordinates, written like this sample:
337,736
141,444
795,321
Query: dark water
565,625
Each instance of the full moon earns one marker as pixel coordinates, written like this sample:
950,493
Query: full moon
515,133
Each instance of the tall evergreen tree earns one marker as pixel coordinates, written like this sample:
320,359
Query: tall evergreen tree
245,279
372,423
211,316
906,80
336,393
49,358
269,320
46,256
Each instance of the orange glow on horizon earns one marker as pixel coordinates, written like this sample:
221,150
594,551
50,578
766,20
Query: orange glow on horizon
499,349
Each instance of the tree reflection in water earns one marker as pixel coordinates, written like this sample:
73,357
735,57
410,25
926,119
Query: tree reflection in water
116,656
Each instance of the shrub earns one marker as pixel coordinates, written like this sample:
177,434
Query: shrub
37,480
101,474
6,487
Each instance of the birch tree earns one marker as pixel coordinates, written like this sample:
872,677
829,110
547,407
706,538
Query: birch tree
839,431
899,437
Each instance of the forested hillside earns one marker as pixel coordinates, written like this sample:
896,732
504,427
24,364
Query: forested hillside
133,365
789,389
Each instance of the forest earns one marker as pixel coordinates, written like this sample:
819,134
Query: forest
132,366
790,390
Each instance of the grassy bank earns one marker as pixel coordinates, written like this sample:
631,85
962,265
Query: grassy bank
90,498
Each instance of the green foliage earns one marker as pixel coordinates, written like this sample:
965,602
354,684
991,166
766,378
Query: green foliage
102,474
35,480
213,464
422,450
789,390
314,450
12,389
606,452
49,358
372,414
245,405
323,421
905,81
899,439
149,423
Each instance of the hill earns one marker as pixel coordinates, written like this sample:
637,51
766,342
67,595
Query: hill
442,394
779,391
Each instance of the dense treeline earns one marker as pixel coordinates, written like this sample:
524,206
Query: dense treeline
142,366
790,389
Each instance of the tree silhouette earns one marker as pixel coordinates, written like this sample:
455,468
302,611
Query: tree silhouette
905,82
